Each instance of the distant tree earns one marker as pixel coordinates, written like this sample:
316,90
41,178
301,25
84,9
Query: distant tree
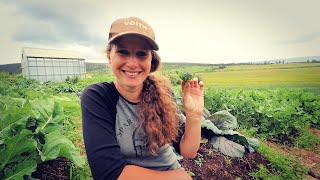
282,61
308,61
265,62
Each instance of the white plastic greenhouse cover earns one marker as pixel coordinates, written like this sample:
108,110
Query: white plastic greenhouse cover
51,64
38,52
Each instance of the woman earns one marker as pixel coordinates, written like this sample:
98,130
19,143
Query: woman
130,123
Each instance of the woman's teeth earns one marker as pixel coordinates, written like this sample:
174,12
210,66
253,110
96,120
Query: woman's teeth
132,74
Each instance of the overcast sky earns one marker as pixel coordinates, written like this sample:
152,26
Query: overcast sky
203,31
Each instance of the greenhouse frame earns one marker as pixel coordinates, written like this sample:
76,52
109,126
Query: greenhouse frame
51,64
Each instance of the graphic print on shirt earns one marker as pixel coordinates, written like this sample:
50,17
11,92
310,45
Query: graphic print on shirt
124,126
139,143
131,138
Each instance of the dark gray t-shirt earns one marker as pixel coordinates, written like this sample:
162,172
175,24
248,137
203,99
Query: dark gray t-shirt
112,136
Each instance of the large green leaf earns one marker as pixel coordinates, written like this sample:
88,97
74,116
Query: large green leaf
253,144
19,170
58,145
11,123
227,146
219,127
205,123
224,120
15,147
49,115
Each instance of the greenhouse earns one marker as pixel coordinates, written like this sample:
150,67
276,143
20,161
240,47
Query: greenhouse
51,65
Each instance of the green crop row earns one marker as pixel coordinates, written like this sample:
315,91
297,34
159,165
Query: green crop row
281,114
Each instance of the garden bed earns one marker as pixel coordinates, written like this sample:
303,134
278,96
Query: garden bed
211,164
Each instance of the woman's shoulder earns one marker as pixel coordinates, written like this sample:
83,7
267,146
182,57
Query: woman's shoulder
102,90
100,87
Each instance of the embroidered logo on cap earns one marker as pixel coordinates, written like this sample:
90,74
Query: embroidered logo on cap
135,23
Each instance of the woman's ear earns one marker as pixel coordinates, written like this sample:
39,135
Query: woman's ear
108,50
108,57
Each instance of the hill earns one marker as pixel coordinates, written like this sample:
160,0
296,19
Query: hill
295,59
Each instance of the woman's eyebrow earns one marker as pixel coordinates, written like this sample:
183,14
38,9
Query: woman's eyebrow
121,46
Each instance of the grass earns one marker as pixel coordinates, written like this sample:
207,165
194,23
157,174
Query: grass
274,77
283,166
300,75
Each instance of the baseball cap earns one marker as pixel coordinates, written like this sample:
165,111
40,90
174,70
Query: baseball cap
135,26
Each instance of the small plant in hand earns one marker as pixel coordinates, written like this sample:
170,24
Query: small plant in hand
186,76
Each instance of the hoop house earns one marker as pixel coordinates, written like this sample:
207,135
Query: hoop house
51,65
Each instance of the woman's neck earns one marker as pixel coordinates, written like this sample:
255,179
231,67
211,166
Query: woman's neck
131,94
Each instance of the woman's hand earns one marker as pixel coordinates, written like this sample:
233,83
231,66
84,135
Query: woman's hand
193,100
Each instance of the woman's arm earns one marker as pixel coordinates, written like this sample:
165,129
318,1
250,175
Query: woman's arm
135,172
193,105
98,122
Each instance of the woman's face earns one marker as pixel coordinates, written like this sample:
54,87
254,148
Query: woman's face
130,60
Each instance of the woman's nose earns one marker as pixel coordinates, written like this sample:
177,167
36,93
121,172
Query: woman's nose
132,61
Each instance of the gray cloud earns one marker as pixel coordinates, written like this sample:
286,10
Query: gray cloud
303,39
53,23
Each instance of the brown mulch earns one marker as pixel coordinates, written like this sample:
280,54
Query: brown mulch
217,166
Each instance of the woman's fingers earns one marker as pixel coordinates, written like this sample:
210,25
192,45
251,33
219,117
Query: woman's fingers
192,84
182,85
201,84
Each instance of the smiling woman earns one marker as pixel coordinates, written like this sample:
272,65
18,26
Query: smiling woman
131,124
130,60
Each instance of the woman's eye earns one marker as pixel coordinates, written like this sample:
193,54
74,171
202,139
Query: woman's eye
141,54
123,52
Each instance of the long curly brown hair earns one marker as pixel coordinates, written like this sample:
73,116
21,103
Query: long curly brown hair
159,114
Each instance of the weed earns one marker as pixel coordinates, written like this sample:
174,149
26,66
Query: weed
191,173
227,159
285,167
199,161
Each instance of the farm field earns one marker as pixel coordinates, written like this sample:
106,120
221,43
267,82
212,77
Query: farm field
277,75
278,104
291,77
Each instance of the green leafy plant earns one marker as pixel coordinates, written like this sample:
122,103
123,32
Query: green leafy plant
186,76
219,128
31,132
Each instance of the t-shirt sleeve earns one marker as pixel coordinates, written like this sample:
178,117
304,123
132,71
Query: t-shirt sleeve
176,144
98,103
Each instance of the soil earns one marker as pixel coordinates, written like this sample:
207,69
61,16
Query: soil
211,164
57,169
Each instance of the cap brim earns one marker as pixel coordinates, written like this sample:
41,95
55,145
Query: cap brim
152,43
